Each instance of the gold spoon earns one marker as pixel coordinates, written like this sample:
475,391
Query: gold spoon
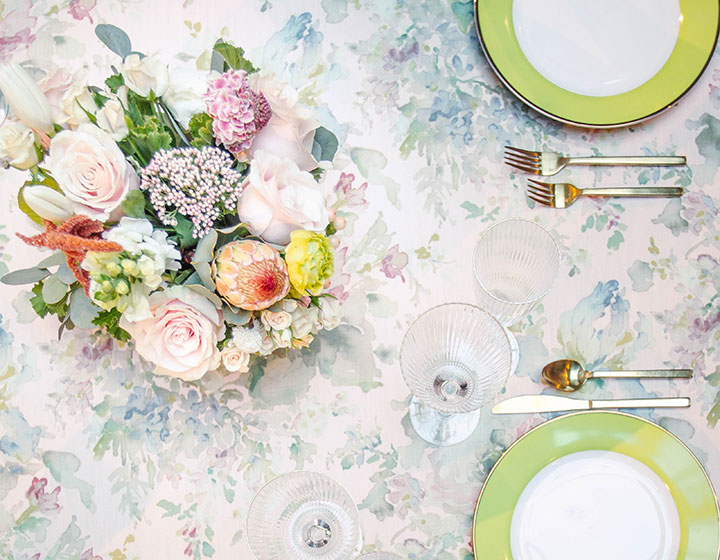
569,375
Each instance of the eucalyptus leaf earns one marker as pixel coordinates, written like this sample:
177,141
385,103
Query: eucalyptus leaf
203,291
203,270
83,311
325,144
65,275
217,62
25,276
114,38
55,259
239,317
53,289
194,278
205,247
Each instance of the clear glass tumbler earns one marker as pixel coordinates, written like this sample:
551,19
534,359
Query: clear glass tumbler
455,358
303,515
515,262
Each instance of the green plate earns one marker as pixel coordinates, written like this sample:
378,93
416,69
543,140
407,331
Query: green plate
695,45
623,433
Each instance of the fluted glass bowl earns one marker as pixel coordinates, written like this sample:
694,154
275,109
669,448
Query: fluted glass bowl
303,515
379,556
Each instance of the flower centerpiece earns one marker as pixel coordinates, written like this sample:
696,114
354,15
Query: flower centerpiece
187,218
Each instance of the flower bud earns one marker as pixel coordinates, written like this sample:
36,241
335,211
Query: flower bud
47,203
27,101
122,287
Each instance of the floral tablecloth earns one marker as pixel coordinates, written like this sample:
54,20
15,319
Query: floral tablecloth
149,467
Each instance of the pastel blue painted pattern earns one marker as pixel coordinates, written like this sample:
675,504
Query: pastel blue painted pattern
153,467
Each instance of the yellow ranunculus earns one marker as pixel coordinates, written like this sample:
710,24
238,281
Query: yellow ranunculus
309,260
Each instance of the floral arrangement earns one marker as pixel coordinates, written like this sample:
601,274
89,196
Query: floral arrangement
186,216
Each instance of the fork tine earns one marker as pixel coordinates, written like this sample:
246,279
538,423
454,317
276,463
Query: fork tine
539,195
541,201
548,186
540,191
522,161
526,169
522,157
525,152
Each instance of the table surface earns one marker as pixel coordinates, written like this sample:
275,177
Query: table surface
149,467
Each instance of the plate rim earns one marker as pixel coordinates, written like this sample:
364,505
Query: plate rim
585,413
668,105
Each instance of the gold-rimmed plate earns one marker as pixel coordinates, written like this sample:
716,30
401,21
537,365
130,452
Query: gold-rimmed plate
637,438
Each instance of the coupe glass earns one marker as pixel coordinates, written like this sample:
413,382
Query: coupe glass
515,262
379,556
455,358
303,515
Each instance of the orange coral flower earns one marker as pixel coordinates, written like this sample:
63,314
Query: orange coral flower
74,237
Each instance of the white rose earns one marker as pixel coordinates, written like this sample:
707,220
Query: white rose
282,339
278,198
184,96
27,101
278,320
304,320
47,203
111,118
74,106
330,313
17,145
290,131
235,359
91,171
181,335
145,74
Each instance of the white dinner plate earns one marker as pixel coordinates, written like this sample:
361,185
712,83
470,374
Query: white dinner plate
595,505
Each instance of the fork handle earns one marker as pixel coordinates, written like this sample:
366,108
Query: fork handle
636,192
628,160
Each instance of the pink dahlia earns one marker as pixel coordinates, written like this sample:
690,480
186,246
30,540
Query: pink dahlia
250,274
238,112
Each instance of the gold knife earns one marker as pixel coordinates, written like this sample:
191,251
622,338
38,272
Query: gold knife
527,404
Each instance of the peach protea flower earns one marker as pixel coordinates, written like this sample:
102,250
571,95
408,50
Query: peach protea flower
250,274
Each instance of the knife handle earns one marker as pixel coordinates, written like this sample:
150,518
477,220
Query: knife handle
670,402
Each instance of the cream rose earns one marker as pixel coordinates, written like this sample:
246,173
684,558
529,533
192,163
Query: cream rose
235,359
277,320
278,198
291,128
145,74
111,118
75,105
17,146
330,313
91,171
181,336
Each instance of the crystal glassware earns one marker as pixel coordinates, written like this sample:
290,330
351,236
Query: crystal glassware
303,515
379,556
455,358
515,262
3,108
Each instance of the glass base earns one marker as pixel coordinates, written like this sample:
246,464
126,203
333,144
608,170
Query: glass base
442,428
514,349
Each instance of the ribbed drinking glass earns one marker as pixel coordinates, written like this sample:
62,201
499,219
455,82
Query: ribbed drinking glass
379,556
303,515
516,262
455,358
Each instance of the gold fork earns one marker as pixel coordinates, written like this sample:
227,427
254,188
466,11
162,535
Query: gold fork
562,195
549,163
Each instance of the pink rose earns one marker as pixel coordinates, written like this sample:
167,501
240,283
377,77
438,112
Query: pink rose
278,198
91,171
181,336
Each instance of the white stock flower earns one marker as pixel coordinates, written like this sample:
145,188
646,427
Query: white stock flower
137,237
184,95
27,101
146,74
17,145
279,198
291,128
234,359
47,203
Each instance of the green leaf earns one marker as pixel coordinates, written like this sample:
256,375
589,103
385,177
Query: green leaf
82,310
474,211
325,144
200,129
133,205
203,291
147,136
205,248
170,508
205,274
114,82
114,38
25,276
239,317
54,290
184,230
43,308
65,275
56,259
234,56
109,321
